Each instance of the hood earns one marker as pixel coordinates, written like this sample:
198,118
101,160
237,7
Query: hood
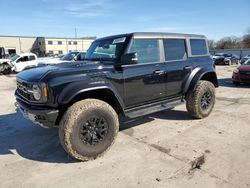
38,73
244,68
4,60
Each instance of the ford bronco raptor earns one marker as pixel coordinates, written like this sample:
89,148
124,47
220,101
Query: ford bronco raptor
127,75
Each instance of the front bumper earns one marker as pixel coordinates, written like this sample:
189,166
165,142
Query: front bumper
238,79
39,115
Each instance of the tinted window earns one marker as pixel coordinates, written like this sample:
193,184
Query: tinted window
175,49
50,42
147,50
31,58
198,47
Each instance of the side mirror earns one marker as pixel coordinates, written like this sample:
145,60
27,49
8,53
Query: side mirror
130,58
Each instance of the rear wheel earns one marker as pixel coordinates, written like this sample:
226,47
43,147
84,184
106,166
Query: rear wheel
201,100
88,129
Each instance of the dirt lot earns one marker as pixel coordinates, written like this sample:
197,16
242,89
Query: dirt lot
154,151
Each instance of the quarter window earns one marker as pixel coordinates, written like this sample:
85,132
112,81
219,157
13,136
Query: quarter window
198,47
175,49
146,49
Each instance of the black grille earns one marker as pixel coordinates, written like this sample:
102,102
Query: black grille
22,90
245,75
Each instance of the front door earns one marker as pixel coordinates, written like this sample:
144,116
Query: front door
144,82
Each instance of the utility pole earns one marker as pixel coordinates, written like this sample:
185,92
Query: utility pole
76,37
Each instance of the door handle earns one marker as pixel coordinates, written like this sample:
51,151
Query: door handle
188,68
159,72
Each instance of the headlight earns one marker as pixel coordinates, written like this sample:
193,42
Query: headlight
236,71
36,92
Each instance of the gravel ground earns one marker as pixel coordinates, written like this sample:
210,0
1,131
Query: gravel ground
165,149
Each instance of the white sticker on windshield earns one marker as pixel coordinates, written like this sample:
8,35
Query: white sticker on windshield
119,40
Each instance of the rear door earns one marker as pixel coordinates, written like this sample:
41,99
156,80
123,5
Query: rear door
32,61
144,82
178,67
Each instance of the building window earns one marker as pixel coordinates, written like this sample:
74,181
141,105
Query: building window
198,47
51,52
60,52
69,42
39,43
59,42
75,42
50,42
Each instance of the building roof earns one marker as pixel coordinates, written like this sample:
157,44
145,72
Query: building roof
79,38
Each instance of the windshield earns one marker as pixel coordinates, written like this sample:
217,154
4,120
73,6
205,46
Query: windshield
247,62
70,56
106,49
219,54
13,58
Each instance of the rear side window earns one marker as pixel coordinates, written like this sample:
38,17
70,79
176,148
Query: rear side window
147,50
175,49
198,47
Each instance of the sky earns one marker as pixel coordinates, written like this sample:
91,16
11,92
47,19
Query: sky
59,18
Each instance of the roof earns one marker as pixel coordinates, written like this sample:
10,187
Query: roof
26,54
153,35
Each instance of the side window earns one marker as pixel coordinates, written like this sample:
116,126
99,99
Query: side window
175,49
20,60
31,58
25,58
198,47
147,50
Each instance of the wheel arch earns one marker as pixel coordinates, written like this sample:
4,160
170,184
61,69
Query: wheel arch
102,93
200,74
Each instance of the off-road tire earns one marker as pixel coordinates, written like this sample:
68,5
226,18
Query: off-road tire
193,99
72,120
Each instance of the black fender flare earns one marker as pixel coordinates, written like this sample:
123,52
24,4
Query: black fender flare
195,76
74,89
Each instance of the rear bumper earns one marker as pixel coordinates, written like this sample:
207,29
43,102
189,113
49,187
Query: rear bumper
39,115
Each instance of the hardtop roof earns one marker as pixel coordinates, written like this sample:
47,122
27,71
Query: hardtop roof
154,35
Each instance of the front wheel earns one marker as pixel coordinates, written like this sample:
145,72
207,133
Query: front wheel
201,100
88,129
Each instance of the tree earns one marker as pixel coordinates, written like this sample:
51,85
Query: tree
246,39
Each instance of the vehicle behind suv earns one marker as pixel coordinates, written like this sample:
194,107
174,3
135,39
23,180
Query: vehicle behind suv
225,59
18,63
128,75
69,57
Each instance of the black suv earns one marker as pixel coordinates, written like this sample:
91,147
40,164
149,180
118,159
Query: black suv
127,75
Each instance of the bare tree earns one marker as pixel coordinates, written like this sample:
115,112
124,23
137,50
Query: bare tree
246,39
